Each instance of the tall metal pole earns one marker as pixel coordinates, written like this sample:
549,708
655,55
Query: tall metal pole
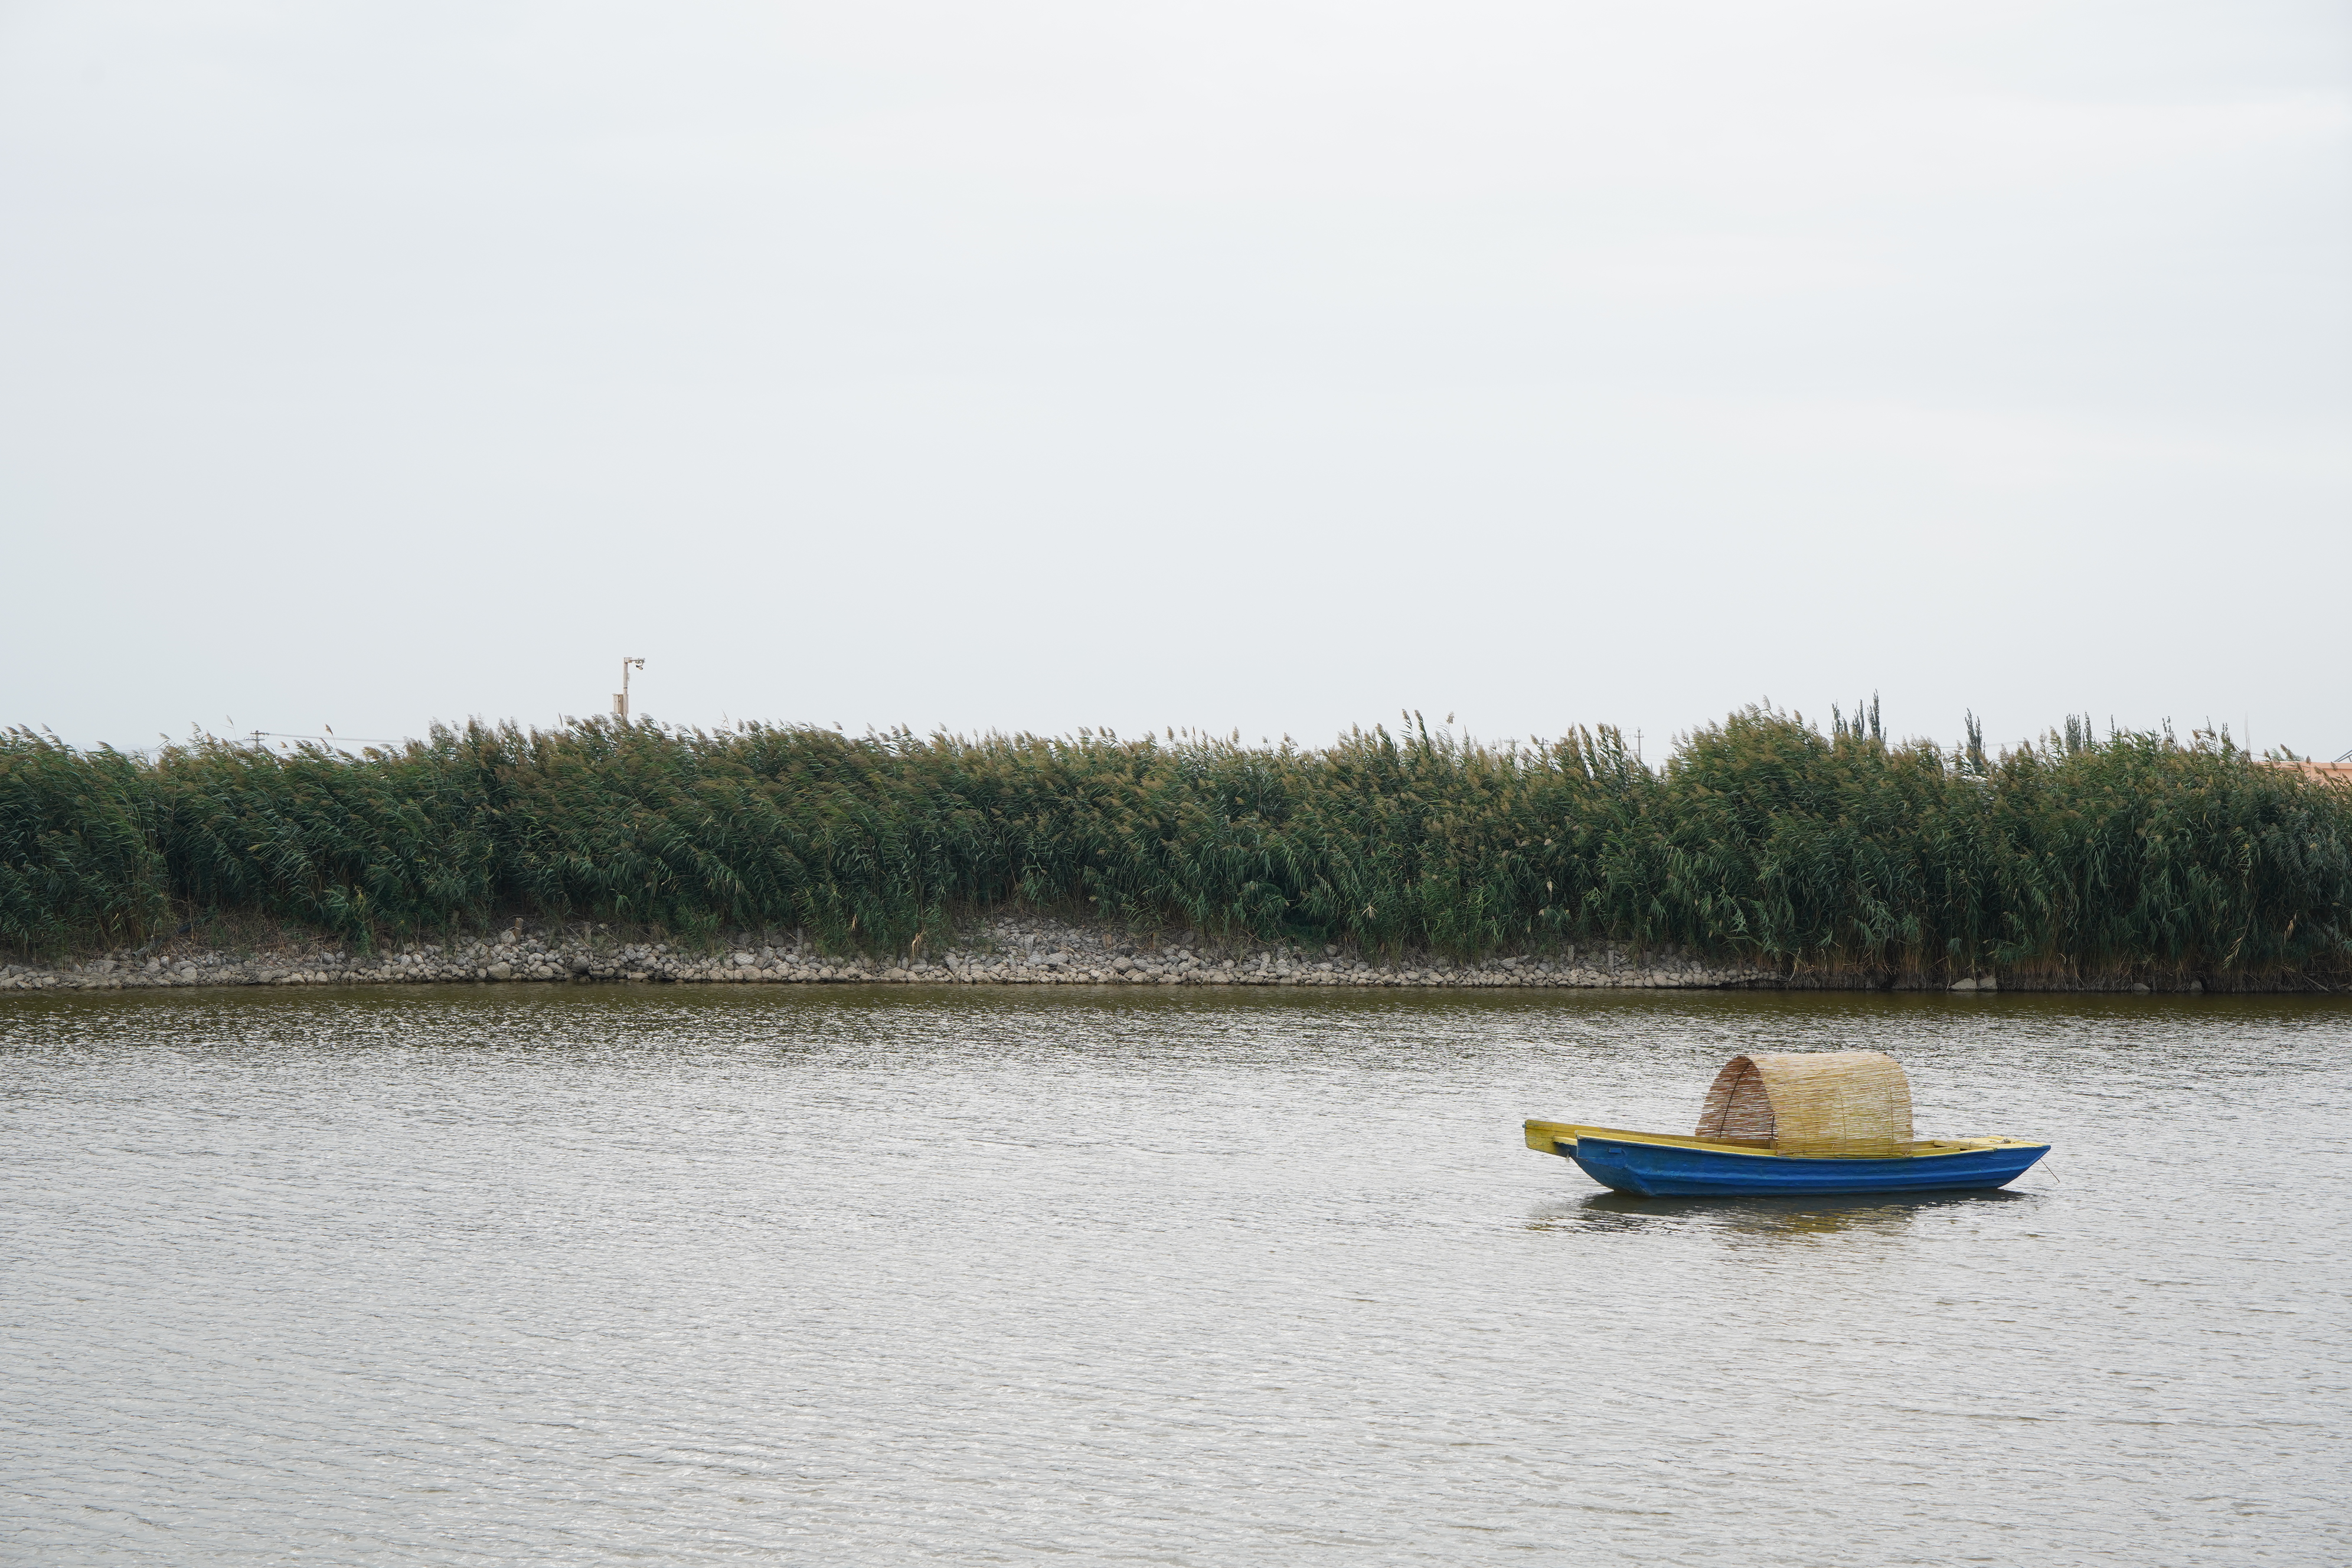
621,697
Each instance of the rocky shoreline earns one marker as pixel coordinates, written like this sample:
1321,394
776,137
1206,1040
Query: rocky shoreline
1009,950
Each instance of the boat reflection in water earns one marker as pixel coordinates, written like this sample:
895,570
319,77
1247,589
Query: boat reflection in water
1768,1217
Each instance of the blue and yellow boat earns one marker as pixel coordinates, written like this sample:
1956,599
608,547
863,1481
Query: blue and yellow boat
1776,1124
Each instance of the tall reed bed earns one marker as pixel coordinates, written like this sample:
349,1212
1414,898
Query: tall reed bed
1762,838
81,845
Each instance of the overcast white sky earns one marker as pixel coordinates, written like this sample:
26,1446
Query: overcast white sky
1268,367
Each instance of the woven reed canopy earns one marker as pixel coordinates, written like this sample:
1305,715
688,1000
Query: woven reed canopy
1810,1102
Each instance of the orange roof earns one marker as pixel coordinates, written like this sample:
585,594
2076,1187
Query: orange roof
2333,772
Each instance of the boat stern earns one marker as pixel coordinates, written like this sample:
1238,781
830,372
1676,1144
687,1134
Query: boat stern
1551,1138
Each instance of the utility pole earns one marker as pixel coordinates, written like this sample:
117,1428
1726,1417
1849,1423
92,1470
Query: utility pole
621,697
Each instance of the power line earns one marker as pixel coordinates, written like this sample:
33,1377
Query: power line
290,735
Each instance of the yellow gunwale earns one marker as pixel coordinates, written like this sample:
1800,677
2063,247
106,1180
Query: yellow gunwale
1543,1137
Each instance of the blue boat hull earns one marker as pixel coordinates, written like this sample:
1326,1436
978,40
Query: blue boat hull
1663,1169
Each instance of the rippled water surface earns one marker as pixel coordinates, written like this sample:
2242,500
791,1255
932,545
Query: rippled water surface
593,1275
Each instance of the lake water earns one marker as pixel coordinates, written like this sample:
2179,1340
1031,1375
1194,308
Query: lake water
592,1275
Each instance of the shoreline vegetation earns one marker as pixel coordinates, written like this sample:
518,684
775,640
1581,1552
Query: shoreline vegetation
1765,851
